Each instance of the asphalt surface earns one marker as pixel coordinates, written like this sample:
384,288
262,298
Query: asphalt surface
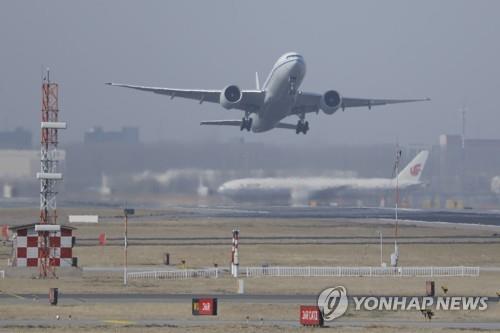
450,216
292,240
64,322
468,217
79,298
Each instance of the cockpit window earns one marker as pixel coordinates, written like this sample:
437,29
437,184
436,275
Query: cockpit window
291,56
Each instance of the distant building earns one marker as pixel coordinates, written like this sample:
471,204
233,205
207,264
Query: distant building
127,135
23,164
19,138
467,167
19,164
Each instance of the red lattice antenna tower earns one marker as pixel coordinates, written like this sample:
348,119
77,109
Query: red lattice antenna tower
48,174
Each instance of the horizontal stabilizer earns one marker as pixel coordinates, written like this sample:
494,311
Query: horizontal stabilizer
238,123
222,122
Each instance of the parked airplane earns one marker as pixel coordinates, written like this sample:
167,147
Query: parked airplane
303,189
278,98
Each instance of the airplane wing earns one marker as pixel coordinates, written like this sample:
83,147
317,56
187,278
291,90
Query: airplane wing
199,95
238,123
348,102
310,102
251,99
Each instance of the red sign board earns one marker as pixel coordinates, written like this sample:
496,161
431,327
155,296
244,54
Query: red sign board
310,315
102,238
204,306
5,232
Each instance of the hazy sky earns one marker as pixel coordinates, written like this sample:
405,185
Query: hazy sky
447,50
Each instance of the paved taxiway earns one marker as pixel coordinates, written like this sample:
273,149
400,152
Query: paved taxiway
466,217
64,322
79,298
327,212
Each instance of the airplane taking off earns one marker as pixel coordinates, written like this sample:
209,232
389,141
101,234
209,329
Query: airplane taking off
303,189
278,98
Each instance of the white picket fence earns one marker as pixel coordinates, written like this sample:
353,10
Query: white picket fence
311,271
175,274
361,271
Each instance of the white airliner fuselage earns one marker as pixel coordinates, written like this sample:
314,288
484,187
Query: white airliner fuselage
279,91
278,98
268,189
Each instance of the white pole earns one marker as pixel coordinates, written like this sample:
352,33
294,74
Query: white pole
381,258
396,250
125,252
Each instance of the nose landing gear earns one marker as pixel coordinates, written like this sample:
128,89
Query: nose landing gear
292,80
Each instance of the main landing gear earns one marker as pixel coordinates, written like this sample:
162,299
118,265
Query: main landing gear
246,123
302,127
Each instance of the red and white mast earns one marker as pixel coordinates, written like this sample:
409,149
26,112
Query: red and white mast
48,174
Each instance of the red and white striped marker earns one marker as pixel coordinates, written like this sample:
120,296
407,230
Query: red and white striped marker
235,262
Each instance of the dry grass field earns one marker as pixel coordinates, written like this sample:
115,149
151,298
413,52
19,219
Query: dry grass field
345,250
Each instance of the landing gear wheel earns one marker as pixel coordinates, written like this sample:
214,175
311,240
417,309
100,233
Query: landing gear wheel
246,123
302,127
249,124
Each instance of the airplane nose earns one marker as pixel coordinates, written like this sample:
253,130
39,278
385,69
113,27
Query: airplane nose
299,65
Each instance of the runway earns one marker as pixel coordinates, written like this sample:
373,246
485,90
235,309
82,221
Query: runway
468,217
464,216
203,322
327,212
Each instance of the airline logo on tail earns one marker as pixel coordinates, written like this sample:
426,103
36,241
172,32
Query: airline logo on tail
415,170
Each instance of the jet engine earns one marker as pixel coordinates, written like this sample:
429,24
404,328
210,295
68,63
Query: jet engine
230,96
330,102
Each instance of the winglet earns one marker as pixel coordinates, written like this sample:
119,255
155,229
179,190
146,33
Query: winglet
257,83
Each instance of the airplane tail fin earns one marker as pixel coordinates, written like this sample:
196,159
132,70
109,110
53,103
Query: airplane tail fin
414,169
257,82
